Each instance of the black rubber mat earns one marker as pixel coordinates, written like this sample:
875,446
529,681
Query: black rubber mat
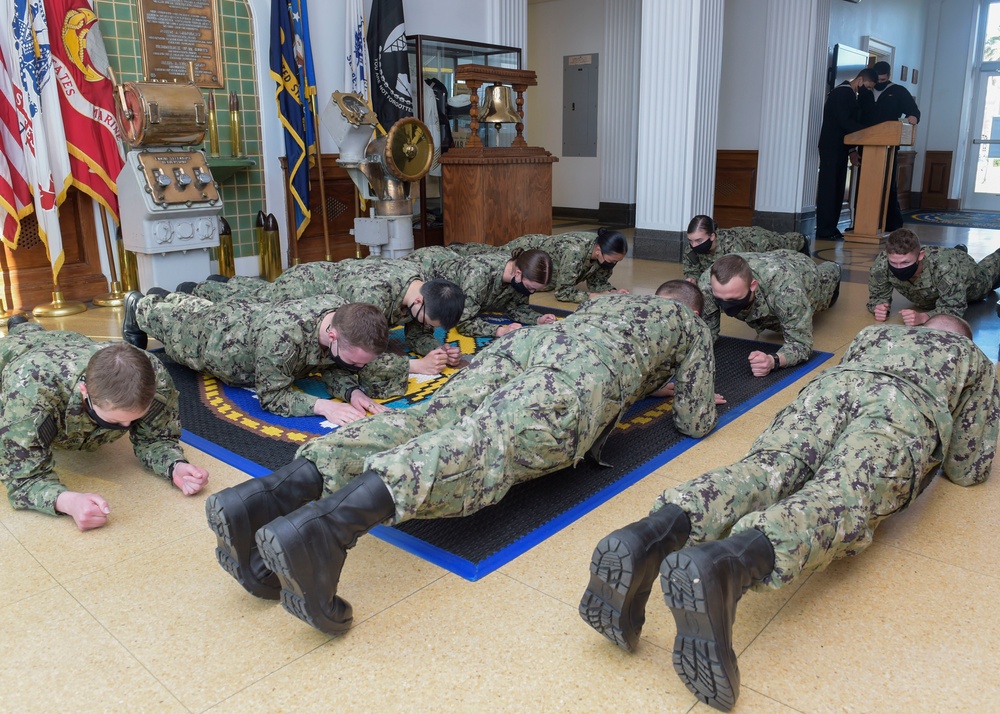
646,432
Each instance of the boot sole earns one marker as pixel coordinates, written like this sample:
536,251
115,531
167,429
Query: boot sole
612,570
219,520
697,657
293,598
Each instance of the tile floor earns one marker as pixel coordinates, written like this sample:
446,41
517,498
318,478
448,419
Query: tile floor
137,616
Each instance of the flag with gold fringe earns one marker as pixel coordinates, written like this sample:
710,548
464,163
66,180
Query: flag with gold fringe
15,193
292,71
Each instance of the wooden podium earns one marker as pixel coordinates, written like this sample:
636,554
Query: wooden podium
877,165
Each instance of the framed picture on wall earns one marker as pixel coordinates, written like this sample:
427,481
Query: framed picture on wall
913,77
904,72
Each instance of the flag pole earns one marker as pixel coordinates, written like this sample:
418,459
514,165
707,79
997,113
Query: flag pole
322,182
7,295
115,298
60,306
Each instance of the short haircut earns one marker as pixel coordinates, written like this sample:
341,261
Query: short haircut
870,74
611,242
731,266
702,223
443,301
121,376
535,265
902,241
949,323
881,68
363,326
683,292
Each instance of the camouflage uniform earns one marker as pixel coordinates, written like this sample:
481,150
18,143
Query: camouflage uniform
40,377
534,401
571,262
860,442
378,282
247,343
790,288
948,282
744,239
481,279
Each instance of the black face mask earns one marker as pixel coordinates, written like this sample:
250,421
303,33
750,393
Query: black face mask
519,287
100,422
607,264
703,247
339,363
735,307
904,273
882,85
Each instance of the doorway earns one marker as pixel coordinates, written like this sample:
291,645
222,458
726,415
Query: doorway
983,165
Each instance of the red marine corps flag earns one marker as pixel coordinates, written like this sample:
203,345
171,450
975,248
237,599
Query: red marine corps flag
80,63
15,193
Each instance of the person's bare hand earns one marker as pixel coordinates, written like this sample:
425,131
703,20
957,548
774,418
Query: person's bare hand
881,312
760,363
454,353
189,478
337,413
913,318
88,510
546,319
363,403
431,363
504,329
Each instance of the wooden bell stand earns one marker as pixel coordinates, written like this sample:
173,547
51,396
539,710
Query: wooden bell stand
495,194
877,166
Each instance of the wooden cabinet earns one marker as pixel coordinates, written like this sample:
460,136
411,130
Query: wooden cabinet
27,272
341,209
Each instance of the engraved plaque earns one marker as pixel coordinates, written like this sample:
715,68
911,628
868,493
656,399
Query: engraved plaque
175,32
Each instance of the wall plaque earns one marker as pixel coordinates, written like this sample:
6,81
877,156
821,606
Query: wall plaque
175,32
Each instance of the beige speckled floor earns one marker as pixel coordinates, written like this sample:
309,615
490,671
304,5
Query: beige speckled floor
138,616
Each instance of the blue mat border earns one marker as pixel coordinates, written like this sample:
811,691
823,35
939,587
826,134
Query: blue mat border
474,571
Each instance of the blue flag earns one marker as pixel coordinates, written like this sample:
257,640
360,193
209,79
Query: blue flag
291,69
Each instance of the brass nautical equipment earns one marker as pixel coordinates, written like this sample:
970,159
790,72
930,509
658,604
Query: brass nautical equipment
498,108
227,260
161,114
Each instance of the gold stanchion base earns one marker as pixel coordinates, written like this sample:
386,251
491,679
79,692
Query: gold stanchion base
12,313
115,298
59,307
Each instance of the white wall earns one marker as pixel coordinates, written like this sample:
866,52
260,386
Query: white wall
557,29
743,83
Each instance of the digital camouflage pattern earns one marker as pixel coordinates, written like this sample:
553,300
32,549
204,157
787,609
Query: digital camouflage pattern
743,239
790,289
481,278
859,443
532,402
267,346
40,377
375,281
948,282
571,262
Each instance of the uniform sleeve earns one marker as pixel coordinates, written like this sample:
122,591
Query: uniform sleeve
795,314
569,264
420,338
710,312
694,390
949,279
274,379
974,432
478,327
845,114
879,287
600,280
523,313
156,437
26,463
690,262
908,103
382,378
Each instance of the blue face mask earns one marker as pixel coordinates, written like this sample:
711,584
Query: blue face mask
100,422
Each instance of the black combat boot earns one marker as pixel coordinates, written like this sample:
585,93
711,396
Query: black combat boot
187,287
622,570
702,586
15,320
237,513
216,278
307,549
131,332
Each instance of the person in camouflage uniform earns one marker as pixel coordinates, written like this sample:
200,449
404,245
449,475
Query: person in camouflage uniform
396,287
936,280
860,442
532,402
493,281
779,290
706,243
268,346
63,390
576,257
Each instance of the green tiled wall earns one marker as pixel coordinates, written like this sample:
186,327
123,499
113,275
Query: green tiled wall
243,194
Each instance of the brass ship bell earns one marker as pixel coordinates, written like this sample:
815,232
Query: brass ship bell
498,108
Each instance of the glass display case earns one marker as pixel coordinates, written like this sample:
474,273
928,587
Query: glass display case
443,104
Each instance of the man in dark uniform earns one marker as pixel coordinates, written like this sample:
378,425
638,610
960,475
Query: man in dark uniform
841,116
888,102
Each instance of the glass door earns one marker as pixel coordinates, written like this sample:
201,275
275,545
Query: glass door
983,166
